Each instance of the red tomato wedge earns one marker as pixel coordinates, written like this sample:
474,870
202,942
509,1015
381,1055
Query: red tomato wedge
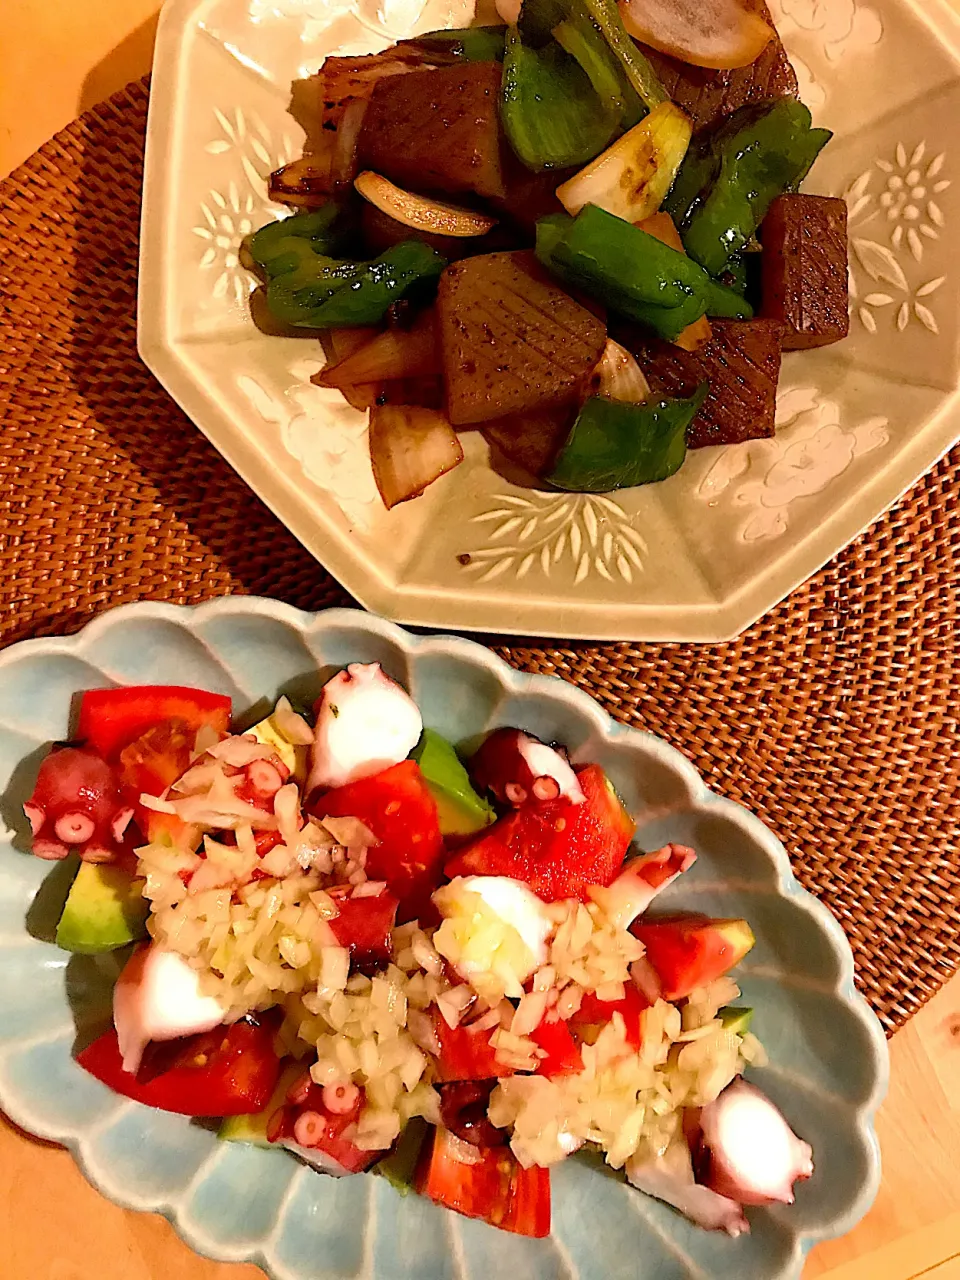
364,925
151,763
398,808
466,1054
112,718
486,1183
557,848
231,1071
563,1056
594,1014
690,951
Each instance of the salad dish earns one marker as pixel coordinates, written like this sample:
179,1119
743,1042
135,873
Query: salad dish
386,927
580,233
359,950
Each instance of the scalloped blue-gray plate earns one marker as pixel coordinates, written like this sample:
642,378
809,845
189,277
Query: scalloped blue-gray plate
828,1057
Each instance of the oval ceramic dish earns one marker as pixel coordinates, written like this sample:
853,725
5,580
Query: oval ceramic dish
828,1058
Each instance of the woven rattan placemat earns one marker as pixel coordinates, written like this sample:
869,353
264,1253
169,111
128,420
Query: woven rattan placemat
835,718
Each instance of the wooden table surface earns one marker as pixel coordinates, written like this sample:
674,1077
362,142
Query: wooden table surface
59,58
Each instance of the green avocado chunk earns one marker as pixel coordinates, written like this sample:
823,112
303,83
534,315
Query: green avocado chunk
105,909
401,1164
462,811
735,1018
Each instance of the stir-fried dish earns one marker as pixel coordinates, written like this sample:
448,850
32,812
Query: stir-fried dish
356,945
580,234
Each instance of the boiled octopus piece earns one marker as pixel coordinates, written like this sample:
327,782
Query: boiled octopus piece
158,997
748,1152
518,769
77,806
669,1177
312,1121
641,880
365,723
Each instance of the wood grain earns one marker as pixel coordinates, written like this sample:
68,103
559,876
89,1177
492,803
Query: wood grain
58,60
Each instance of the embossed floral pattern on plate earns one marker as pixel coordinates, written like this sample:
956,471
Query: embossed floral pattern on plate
898,200
583,533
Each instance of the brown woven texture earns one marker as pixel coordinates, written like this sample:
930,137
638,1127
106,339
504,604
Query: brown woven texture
834,718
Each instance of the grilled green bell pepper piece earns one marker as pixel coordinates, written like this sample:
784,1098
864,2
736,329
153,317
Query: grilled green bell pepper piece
470,44
290,245
550,111
304,279
632,272
727,182
347,294
294,296
637,69
613,445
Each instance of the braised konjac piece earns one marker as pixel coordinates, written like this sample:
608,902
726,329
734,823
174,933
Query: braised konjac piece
531,440
706,96
741,362
804,263
511,338
437,130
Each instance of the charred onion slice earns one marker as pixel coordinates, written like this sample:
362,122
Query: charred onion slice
420,212
705,33
397,353
305,183
410,447
618,376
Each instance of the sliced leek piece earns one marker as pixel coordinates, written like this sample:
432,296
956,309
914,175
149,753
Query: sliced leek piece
631,178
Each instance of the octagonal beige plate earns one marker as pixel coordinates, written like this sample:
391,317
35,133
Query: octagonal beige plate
698,557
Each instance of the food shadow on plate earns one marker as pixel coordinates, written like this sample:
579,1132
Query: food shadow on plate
89,983
17,791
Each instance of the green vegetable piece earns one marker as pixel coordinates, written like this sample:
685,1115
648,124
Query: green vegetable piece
400,1165
766,155
550,111
351,294
632,272
699,168
726,303
581,38
461,810
472,44
637,68
253,1128
105,909
735,1018
288,246
550,230
294,298
613,445
817,139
